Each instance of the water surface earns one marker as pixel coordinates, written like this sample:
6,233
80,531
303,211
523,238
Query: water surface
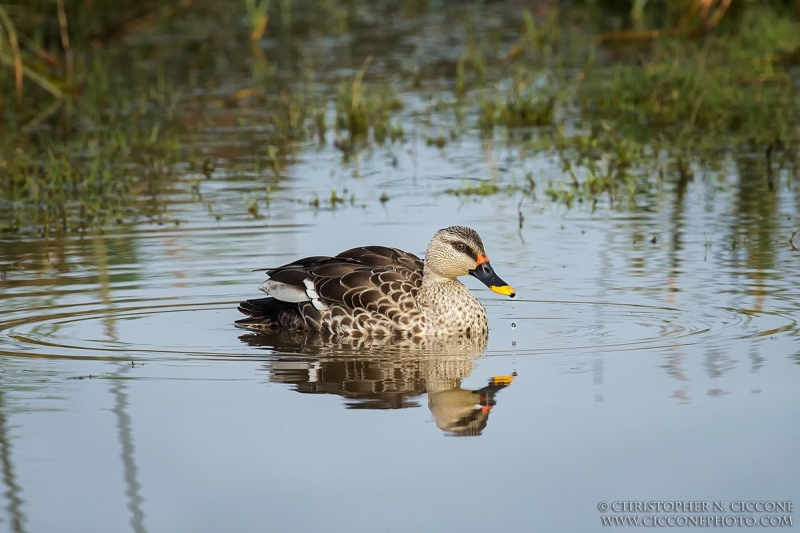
653,360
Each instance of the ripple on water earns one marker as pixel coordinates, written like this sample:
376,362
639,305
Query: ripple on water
563,326
152,329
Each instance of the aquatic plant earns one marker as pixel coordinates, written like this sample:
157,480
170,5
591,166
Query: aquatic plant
359,108
127,120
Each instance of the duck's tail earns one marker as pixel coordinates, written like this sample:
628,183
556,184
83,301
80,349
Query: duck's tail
269,313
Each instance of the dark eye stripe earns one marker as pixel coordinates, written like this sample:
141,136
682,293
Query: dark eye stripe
467,250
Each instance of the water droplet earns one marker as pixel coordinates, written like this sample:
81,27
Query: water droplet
513,325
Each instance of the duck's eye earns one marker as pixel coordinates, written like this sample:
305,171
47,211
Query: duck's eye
461,246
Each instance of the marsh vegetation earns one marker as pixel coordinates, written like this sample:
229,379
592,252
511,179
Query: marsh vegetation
107,108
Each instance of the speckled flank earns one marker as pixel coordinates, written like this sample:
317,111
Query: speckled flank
376,291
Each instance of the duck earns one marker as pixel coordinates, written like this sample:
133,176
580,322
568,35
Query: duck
377,291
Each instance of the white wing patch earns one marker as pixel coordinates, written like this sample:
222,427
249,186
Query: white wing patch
294,294
284,292
311,292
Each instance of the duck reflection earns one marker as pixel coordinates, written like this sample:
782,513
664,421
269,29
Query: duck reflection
463,412
380,374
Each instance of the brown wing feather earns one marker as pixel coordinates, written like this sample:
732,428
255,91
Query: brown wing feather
290,276
374,278
305,262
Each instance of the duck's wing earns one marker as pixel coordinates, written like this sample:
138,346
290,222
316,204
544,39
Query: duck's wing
381,256
362,277
354,285
365,288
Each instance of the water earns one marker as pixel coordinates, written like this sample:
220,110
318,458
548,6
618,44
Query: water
646,369
651,354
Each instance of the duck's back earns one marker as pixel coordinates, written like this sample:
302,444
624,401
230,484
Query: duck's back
370,290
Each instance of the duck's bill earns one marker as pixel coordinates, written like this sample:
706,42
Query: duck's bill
486,274
505,290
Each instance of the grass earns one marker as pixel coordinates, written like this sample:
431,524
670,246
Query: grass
517,111
96,129
723,90
84,183
361,108
483,188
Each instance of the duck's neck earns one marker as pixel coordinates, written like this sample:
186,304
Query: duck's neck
450,308
438,293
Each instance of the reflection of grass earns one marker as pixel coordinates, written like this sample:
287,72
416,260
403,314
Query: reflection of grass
251,202
439,141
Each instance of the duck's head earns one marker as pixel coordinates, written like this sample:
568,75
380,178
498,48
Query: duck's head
458,251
